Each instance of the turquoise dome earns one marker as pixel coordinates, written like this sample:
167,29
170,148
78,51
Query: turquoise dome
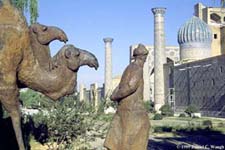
194,31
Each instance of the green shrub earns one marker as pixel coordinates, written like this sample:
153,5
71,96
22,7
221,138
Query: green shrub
177,127
64,123
157,117
221,124
191,109
33,99
101,107
207,123
166,110
167,129
182,115
30,98
160,129
149,106
185,129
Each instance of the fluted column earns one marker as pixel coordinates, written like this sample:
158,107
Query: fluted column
108,66
159,57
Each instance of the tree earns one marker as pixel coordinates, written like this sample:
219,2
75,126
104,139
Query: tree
28,6
222,2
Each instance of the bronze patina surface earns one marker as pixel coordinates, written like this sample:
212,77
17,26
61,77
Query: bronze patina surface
129,129
25,62
40,38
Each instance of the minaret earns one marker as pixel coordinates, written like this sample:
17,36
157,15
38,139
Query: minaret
159,57
108,66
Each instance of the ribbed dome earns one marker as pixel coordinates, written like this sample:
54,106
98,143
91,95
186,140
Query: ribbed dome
194,30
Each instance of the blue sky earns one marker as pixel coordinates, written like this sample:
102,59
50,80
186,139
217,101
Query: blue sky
87,22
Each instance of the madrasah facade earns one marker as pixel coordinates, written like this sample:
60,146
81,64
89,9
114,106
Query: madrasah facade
199,38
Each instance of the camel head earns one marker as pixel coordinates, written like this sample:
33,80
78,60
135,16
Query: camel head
46,34
74,58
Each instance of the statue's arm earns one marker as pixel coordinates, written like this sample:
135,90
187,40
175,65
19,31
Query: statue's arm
128,84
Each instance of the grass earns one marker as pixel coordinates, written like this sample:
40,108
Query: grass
170,126
179,121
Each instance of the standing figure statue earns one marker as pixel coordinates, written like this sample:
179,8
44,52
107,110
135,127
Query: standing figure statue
129,129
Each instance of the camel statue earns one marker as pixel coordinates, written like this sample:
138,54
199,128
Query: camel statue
40,38
22,65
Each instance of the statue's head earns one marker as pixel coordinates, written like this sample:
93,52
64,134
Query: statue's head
46,34
76,57
140,52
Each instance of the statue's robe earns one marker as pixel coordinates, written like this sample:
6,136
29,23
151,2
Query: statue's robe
129,129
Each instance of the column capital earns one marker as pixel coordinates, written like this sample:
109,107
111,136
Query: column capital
108,39
158,10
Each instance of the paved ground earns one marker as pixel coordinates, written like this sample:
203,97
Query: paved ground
209,141
191,142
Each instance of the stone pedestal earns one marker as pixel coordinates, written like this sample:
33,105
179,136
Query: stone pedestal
159,57
108,67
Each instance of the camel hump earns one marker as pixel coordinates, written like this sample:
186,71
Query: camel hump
11,16
6,2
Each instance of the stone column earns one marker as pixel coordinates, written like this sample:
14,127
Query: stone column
94,98
108,66
81,90
159,57
146,77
